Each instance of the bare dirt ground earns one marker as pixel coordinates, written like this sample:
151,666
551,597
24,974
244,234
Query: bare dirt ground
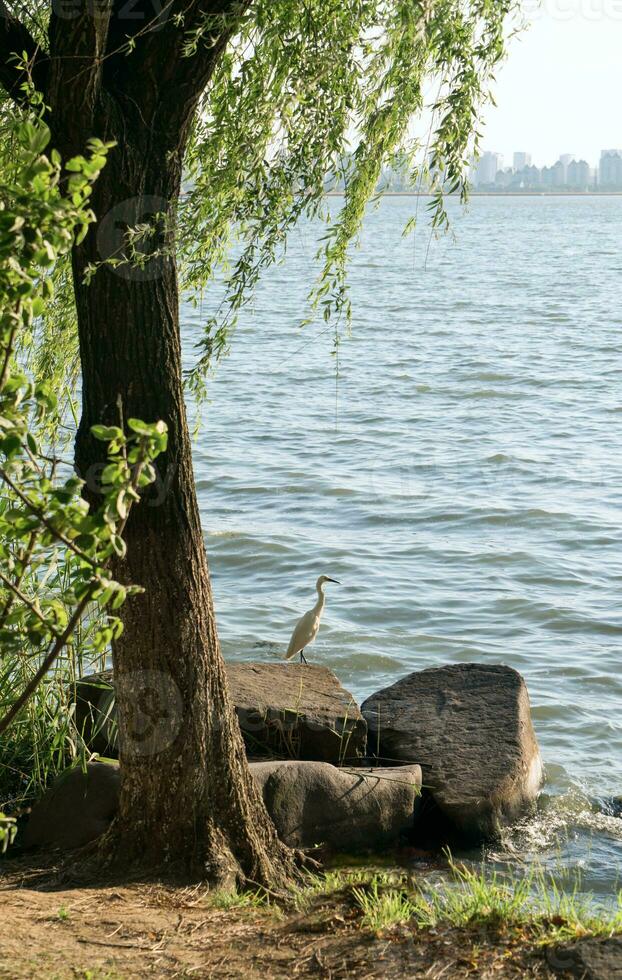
53,928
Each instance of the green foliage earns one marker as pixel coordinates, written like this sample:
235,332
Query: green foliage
382,908
305,91
43,739
7,831
313,886
531,903
230,900
474,897
301,93
47,345
54,549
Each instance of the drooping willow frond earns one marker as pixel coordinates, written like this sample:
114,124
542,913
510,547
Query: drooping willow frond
320,88
304,91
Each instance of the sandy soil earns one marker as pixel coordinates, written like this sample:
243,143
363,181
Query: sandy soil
53,928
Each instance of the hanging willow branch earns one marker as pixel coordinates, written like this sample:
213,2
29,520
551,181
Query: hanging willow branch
300,91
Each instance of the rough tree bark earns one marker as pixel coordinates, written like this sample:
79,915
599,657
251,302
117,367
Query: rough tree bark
187,796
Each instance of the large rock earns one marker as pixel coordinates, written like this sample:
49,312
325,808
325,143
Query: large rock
469,726
344,809
310,802
95,715
589,959
77,808
285,710
298,711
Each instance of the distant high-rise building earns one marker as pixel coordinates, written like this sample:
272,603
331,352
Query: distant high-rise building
532,176
486,168
565,160
503,178
559,174
578,175
521,160
610,169
547,177
528,178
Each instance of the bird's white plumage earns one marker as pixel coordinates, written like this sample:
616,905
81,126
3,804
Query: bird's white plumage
305,632
306,629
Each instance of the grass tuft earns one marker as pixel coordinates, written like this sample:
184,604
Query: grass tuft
228,900
532,904
382,908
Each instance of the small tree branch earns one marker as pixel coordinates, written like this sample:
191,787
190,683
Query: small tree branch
47,523
15,587
17,592
24,561
8,352
15,40
62,638
47,662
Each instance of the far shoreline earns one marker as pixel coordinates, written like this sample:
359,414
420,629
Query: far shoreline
492,194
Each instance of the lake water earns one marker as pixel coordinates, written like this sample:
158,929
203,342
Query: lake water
462,478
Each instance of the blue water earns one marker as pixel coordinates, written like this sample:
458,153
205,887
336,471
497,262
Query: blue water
461,476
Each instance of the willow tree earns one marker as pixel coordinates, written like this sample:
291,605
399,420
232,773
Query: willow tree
252,103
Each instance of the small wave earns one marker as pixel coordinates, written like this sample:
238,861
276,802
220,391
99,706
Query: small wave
493,393
499,458
557,819
493,376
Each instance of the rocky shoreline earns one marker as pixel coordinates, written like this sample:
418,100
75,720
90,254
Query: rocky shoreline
354,787
447,753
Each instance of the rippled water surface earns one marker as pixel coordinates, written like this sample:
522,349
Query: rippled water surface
462,479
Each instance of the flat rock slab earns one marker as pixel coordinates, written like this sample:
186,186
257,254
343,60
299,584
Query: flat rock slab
314,803
469,726
590,959
310,803
297,710
287,710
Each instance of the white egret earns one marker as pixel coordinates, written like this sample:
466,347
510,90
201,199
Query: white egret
307,627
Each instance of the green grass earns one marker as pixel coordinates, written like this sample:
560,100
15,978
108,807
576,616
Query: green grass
43,740
230,900
535,900
382,908
466,898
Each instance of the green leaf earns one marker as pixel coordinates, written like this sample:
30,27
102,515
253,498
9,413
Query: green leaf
119,598
122,509
106,432
118,544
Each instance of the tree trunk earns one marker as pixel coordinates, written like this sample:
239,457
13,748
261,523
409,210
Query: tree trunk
187,796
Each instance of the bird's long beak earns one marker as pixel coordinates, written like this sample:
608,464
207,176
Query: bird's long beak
332,580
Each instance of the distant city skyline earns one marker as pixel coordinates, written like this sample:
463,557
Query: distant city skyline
567,172
554,92
518,159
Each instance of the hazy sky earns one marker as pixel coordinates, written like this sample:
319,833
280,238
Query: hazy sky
559,90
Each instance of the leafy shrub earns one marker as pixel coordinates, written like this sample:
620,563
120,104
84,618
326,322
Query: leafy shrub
56,593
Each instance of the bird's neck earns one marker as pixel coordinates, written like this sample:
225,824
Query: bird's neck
321,599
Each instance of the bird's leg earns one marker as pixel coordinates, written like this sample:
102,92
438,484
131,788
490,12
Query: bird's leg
303,659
